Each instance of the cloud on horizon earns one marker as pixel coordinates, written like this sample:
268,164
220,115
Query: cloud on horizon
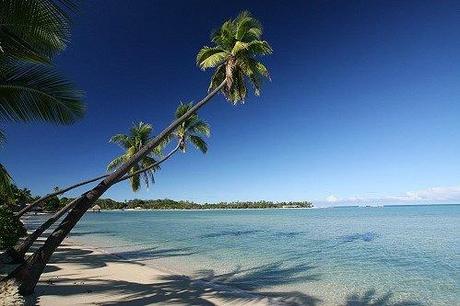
434,195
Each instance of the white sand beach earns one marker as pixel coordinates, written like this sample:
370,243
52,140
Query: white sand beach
80,275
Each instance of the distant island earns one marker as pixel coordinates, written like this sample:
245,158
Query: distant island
109,204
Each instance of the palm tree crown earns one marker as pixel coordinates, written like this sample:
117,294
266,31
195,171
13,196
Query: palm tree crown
138,136
191,130
237,43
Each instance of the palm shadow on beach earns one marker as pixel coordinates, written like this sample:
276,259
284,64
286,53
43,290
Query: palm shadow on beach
239,286
370,298
206,287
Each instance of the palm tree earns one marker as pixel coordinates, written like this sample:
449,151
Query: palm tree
138,136
242,27
191,130
236,45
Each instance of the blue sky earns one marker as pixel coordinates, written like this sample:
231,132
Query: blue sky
363,103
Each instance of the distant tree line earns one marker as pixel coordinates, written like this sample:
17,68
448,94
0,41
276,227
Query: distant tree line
173,204
18,197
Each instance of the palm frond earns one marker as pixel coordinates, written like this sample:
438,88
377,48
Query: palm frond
115,163
199,127
34,30
259,47
141,130
182,109
238,47
210,57
2,137
217,78
121,139
199,143
5,180
36,92
135,179
224,37
247,27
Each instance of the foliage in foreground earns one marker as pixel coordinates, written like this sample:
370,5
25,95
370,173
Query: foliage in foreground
11,229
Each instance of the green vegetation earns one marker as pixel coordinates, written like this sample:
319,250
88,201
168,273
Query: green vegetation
11,229
172,204
138,136
15,197
52,204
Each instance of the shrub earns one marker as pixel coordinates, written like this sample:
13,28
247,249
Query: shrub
11,229
52,204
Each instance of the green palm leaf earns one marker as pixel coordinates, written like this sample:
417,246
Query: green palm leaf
36,92
199,143
5,180
34,30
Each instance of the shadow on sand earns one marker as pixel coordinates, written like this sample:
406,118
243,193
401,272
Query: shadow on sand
236,287
240,286
370,298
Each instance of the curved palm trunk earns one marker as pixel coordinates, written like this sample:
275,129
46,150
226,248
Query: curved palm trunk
28,274
149,167
61,191
16,254
50,195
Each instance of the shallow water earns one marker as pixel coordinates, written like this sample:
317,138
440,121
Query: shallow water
337,256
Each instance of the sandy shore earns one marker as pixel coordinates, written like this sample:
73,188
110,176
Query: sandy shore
80,275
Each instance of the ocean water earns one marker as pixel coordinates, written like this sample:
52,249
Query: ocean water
334,256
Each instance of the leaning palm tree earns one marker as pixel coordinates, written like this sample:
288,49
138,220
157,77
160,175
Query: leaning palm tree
242,30
192,130
138,136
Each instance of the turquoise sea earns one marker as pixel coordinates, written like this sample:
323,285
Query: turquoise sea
395,255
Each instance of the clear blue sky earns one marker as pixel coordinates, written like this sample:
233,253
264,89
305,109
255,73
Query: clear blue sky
364,102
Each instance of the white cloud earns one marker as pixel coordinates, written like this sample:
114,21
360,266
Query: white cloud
434,195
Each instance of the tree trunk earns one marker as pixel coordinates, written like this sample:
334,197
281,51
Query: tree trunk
149,167
61,191
14,255
28,274
50,195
